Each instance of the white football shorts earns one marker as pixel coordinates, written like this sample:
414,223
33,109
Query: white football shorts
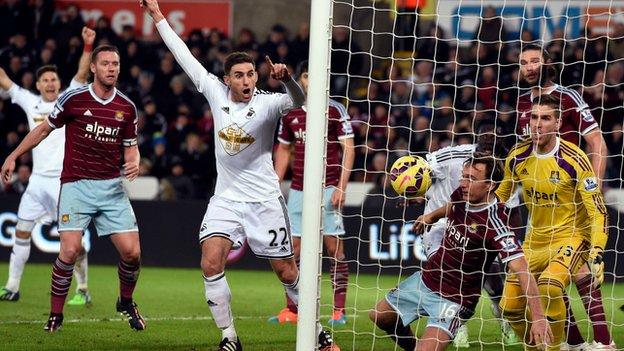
39,201
265,225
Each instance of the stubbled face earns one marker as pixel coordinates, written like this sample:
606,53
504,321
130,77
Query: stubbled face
105,69
531,62
544,124
474,184
242,81
49,86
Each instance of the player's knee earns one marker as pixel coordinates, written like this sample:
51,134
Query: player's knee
512,309
211,266
286,271
69,253
131,255
24,228
383,317
553,294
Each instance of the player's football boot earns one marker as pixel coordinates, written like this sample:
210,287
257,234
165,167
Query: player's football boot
230,345
338,318
130,311
326,343
284,316
461,338
8,295
82,298
595,346
580,347
508,335
55,322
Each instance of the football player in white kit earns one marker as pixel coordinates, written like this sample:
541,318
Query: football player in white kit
247,201
39,201
447,164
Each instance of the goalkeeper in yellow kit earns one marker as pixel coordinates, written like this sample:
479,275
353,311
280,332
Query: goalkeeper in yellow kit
567,216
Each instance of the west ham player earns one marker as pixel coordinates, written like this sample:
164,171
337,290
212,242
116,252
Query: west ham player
447,165
449,286
339,141
100,132
576,120
567,216
38,203
247,201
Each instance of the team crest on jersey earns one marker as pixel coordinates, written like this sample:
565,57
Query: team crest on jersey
234,139
472,228
554,177
119,116
509,244
251,113
65,218
590,184
225,109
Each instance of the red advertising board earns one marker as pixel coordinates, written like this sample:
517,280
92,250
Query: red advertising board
183,15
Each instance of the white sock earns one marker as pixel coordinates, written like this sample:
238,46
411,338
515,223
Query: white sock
80,271
19,256
292,290
218,297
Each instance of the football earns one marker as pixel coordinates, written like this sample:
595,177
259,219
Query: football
410,176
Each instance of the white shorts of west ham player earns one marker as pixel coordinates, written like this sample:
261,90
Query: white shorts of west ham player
264,224
432,238
39,201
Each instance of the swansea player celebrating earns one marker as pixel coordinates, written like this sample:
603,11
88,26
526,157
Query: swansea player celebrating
577,121
449,286
340,136
567,216
38,203
100,128
247,201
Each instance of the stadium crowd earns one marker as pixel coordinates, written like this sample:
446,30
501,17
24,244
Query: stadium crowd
396,105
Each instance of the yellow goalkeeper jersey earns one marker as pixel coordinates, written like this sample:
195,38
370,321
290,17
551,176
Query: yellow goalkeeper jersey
560,191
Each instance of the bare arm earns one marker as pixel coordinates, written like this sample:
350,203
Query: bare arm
348,155
282,156
598,153
540,329
131,165
31,140
88,38
5,82
432,217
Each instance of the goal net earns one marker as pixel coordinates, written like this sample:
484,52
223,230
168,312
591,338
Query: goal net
417,76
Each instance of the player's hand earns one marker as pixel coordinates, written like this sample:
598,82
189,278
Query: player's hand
131,170
338,198
152,8
421,222
88,35
7,170
541,335
279,71
596,266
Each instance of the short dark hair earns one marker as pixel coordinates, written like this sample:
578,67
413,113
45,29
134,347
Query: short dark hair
493,167
45,69
236,58
103,48
302,68
548,100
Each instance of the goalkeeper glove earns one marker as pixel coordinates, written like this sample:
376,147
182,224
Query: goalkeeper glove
596,265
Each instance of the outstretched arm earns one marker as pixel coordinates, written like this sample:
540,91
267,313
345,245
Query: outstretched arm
279,71
88,38
195,71
31,140
5,82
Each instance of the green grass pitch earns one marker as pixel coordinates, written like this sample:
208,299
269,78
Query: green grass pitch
172,301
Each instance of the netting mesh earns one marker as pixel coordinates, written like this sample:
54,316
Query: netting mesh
419,76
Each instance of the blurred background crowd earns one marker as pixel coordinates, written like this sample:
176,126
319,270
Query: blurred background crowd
426,96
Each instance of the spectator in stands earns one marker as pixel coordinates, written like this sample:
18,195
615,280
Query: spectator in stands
300,45
155,122
198,162
277,35
182,184
346,59
160,157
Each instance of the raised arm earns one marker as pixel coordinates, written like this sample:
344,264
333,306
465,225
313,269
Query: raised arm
31,140
279,71
540,329
5,82
88,38
195,71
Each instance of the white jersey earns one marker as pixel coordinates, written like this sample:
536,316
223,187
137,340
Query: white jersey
446,164
48,155
244,132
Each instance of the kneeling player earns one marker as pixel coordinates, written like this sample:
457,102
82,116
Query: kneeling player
475,235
